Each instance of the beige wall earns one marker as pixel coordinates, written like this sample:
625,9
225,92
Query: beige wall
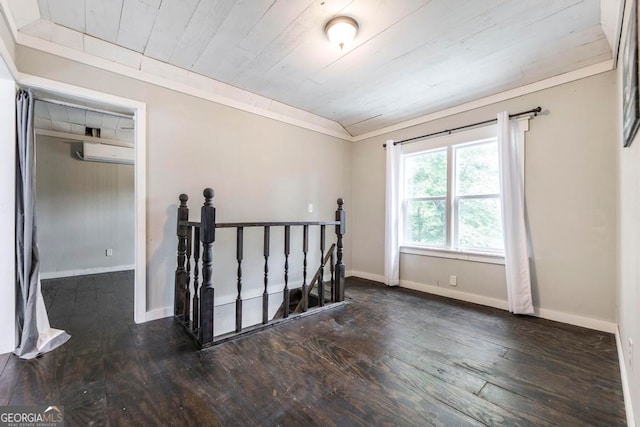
261,169
570,196
83,208
269,170
629,251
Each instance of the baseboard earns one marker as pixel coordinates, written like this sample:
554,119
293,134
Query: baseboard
544,313
158,313
573,319
85,271
628,406
364,275
455,294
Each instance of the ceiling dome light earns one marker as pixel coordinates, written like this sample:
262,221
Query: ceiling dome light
341,30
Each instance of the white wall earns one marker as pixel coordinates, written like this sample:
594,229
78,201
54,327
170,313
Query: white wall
7,192
628,249
7,214
261,169
83,208
570,195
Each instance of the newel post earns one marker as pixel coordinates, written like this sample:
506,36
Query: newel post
207,237
340,268
179,303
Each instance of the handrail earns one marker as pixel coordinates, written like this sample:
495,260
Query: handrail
195,310
260,224
313,281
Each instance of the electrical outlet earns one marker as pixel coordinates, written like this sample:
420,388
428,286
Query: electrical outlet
109,252
630,352
453,281
310,208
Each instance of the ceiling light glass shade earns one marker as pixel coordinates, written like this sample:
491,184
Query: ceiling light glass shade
341,30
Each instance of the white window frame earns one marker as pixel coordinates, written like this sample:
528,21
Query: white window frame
469,137
404,201
454,243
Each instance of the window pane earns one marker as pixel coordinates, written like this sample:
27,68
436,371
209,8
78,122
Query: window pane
426,174
477,169
480,224
426,222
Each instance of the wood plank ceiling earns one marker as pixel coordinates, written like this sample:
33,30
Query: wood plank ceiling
66,119
410,57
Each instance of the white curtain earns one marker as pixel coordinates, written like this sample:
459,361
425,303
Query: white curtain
516,253
392,217
35,335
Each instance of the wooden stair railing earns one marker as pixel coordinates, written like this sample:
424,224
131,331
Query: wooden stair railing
194,306
299,298
318,277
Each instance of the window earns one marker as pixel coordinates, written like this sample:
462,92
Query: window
451,196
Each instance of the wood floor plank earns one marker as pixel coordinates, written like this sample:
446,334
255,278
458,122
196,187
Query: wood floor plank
405,379
4,358
389,357
542,414
525,335
602,378
86,404
379,396
567,393
8,378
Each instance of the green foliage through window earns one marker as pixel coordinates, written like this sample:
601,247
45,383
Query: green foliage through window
426,174
476,222
428,221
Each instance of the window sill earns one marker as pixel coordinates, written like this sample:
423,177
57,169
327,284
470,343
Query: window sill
445,253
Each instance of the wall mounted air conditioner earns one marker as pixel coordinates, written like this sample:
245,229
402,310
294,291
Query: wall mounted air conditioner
106,153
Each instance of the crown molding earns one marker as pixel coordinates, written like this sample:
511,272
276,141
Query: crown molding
70,44
561,79
6,53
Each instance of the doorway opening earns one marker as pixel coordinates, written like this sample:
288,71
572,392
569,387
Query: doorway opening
125,130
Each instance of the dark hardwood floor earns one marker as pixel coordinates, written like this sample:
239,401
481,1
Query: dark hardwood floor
389,357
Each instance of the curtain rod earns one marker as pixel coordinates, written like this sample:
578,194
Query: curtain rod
82,107
534,111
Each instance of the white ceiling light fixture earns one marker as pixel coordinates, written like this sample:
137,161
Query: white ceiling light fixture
341,30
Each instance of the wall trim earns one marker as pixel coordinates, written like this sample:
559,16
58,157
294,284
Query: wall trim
7,215
626,392
365,275
158,313
5,53
7,60
576,320
257,104
85,271
233,97
558,80
455,294
139,109
544,313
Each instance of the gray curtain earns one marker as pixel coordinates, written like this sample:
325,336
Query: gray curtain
35,336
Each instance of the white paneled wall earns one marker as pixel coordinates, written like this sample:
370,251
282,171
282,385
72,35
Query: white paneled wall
83,208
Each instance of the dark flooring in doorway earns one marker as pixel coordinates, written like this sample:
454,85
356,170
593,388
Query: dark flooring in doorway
389,357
